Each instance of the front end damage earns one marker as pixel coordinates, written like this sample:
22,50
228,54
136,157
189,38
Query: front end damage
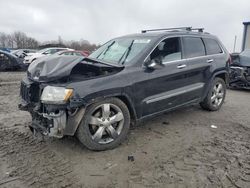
57,110
240,77
52,120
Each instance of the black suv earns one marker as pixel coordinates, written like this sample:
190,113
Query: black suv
126,80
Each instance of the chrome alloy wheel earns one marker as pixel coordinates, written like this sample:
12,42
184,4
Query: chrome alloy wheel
217,94
106,123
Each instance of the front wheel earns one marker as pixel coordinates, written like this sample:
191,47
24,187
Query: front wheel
216,95
105,125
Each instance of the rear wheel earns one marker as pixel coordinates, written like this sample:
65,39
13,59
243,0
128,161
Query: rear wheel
215,96
105,125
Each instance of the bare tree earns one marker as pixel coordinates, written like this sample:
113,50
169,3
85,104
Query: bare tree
60,41
10,42
3,40
82,45
19,39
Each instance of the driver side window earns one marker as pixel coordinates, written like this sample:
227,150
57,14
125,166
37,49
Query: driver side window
168,50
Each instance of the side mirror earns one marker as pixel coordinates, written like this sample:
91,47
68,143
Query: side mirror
153,64
45,53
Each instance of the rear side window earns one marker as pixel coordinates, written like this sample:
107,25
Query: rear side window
212,46
193,47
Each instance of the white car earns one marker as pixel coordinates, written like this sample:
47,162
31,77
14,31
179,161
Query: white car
41,53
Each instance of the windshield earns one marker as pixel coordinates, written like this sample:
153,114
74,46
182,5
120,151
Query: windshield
121,51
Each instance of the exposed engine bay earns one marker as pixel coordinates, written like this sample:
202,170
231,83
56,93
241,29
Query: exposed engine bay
48,117
86,70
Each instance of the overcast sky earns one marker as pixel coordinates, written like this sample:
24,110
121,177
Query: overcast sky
101,20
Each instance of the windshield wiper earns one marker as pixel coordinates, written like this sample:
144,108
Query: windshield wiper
105,50
126,53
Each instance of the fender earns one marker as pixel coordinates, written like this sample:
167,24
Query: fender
215,74
122,96
82,104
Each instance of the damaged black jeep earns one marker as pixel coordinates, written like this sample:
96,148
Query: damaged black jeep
126,80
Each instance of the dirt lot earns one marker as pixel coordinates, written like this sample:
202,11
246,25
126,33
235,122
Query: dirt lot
177,149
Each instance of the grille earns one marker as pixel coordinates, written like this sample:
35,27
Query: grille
25,92
30,93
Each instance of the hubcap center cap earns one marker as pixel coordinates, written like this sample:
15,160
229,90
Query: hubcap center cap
106,122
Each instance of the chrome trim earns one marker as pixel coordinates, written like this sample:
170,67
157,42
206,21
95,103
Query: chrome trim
181,66
180,60
210,60
173,93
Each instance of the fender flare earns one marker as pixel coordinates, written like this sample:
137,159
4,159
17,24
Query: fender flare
211,81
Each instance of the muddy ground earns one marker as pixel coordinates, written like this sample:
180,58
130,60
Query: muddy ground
177,149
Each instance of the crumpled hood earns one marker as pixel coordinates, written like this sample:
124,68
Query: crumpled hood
52,68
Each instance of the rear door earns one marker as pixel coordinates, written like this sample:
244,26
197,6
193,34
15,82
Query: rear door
199,72
214,53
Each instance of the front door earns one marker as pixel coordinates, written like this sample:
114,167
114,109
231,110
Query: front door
164,87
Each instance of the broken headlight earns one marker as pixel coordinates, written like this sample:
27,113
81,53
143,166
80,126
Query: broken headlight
53,94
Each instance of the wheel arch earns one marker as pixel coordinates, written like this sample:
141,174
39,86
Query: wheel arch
223,74
120,95
129,104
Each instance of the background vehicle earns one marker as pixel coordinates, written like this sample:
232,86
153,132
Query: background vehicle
41,53
72,52
240,70
126,80
9,62
21,53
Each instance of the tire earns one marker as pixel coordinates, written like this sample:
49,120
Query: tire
215,97
96,130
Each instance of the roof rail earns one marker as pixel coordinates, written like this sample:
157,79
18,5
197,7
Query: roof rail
198,29
174,28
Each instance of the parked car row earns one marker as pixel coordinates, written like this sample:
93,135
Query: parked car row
21,53
20,59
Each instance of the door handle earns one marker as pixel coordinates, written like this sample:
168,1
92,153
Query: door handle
181,66
210,60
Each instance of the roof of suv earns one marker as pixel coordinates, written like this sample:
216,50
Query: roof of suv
167,33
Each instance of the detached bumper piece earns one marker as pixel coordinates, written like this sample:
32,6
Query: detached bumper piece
239,77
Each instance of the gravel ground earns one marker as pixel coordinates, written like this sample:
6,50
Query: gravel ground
176,149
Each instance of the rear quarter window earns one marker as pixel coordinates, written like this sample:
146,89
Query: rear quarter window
212,46
193,47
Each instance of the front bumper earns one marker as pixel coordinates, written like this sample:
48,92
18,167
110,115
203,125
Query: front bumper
53,120
56,123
